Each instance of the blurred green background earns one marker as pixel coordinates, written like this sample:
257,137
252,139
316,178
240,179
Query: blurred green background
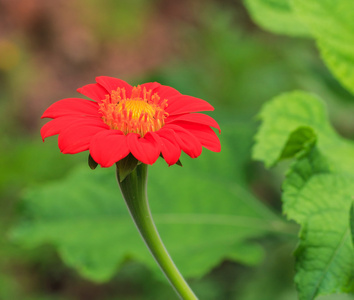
208,49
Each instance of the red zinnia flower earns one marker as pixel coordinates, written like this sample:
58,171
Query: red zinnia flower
146,121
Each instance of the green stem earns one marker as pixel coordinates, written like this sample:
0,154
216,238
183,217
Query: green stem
133,188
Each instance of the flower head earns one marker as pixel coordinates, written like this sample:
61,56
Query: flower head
147,121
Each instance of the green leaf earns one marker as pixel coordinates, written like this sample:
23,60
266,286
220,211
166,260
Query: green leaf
276,16
300,140
284,115
332,24
319,200
317,192
202,215
318,189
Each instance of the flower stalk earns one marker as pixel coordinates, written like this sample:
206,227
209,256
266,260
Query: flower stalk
134,191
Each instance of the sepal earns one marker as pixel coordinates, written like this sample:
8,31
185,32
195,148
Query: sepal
92,163
125,166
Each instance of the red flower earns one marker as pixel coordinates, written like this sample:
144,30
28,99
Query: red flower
147,120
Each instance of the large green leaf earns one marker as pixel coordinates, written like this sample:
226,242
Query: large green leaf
320,200
202,213
287,113
276,16
318,189
332,24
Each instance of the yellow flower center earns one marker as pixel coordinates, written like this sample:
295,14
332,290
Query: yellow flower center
141,113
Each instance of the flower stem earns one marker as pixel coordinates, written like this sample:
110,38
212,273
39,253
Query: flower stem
134,191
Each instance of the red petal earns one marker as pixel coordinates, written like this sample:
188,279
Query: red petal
170,149
71,107
150,86
194,118
93,91
111,84
188,142
55,126
146,149
76,138
182,104
108,147
165,92
204,134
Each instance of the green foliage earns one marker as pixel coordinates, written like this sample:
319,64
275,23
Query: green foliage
319,199
289,112
202,214
292,114
299,140
317,192
332,24
276,16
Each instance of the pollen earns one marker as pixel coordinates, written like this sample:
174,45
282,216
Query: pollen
140,113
